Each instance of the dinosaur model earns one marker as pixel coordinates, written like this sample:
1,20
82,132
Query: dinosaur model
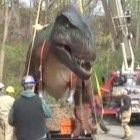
63,48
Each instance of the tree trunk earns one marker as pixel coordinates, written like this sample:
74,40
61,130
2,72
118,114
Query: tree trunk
138,24
2,51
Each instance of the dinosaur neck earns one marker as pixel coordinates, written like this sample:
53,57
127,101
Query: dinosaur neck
56,77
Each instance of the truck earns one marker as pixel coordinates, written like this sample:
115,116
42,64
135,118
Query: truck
129,75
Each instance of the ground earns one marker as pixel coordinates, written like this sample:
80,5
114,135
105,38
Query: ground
116,130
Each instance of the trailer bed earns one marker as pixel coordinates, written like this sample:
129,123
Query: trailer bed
58,136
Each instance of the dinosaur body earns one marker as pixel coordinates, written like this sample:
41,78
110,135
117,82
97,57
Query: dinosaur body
62,49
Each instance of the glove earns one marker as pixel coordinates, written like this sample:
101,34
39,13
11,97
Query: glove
103,111
40,94
92,112
70,99
118,109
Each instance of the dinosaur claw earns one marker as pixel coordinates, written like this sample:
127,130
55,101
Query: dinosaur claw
72,135
85,132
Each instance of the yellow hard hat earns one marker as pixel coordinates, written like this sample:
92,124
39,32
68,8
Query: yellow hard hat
10,89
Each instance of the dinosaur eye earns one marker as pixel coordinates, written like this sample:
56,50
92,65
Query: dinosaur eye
67,25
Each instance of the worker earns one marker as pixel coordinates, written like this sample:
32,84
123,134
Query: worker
128,15
125,110
2,86
29,112
1,93
6,102
98,112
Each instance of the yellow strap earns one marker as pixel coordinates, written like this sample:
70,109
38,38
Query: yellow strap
81,7
98,86
34,35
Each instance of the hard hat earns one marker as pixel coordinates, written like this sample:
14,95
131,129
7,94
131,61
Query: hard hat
128,88
10,89
28,80
2,85
118,72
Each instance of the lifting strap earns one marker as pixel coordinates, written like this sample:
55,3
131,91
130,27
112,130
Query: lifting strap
40,90
34,35
98,86
99,93
71,82
81,7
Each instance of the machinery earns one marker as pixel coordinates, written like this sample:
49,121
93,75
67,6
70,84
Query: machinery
55,135
119,23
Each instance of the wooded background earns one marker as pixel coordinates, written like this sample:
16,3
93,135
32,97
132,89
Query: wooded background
16,33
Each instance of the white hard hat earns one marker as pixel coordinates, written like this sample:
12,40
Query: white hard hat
1,85
118,72
128,88
28,80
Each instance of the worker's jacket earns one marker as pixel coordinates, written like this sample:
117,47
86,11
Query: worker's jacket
1,94
125,103
126,109
28,117
6,103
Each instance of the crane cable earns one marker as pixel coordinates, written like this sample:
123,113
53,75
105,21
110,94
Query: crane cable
34,35
81,7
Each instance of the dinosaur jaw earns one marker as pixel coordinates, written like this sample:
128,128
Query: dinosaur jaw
84,65
80,64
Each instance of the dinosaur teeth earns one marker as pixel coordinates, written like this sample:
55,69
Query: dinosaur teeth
83,64
80,61
83,61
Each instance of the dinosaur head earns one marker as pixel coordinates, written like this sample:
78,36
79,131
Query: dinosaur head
72,41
